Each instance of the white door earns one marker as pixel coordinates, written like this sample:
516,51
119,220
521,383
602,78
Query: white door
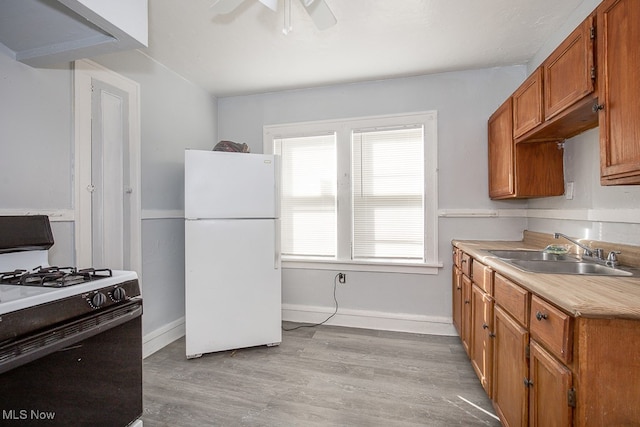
107,178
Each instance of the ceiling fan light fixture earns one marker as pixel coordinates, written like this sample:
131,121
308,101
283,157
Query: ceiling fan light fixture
271,4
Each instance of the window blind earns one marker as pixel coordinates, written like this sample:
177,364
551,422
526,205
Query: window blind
308,195
388,193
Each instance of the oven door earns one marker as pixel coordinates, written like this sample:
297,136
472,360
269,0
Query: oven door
85,373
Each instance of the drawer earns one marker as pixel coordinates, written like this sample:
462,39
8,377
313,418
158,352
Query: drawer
465,264
456,256
552,328
511,297
482,276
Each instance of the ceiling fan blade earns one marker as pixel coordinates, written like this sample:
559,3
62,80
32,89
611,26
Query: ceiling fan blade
271,4
320,13
222,7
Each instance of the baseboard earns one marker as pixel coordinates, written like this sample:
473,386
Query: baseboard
162,337
397,322
417,324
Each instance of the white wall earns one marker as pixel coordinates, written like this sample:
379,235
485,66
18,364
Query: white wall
464,101
36,154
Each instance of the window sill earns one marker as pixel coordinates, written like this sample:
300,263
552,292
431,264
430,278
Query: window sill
363,266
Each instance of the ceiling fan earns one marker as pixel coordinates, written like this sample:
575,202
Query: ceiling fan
318,10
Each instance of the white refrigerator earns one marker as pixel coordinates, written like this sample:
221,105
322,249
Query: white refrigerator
232,251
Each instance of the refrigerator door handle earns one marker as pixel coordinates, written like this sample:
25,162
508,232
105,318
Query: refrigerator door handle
276,249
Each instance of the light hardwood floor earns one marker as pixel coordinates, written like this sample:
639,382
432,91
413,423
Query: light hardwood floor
321,376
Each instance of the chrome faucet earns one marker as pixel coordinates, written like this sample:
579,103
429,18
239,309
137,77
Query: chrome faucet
587,250
596,255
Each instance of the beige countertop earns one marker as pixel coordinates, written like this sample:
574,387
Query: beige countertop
578,295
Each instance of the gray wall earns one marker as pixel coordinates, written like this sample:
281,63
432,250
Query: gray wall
464,101
36,155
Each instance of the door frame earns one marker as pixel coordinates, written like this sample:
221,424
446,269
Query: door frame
84,71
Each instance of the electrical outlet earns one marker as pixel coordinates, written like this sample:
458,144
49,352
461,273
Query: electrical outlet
342,278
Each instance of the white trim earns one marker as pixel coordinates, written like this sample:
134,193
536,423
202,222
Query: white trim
162,337
84,71
482,213
397,322
362,266
55,215
162,214
627,216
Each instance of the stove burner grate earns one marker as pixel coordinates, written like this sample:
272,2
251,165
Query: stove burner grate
55,277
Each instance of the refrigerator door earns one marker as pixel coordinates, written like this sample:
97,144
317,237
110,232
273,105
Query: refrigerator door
219,184
233,285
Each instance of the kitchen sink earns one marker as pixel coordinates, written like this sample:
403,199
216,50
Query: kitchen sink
533,255
578,267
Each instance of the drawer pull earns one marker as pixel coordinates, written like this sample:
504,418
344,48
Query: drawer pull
458,287
467,301
541,316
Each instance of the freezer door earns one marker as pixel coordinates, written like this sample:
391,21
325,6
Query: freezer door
230,185
233,285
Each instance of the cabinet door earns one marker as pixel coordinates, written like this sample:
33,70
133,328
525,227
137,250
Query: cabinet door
466,314
527,104
568,71
510,369
457,299
501,155
549,387
482,342
619,91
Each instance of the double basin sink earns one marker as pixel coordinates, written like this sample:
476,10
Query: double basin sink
554,263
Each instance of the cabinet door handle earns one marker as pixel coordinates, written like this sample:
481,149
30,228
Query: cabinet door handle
492,334
467,301
485,326
528,382
459,287
597,107
541,316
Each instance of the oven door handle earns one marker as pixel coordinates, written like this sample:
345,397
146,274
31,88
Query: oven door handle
30,348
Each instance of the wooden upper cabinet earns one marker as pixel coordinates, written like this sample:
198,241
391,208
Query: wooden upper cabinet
569,72
501,159
527,104
521,170
619,91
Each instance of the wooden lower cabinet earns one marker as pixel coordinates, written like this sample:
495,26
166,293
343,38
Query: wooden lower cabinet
482,341
551,396
541,366
510,369
466,314
457,299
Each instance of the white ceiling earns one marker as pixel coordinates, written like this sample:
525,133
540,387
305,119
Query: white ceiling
245,52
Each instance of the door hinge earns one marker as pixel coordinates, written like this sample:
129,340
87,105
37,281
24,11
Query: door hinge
527,352
593,73
592,33
571,397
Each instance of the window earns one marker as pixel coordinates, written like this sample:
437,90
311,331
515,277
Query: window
360,193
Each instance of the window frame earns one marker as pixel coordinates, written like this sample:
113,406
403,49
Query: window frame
343,129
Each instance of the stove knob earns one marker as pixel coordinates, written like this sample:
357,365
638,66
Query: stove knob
98,300
118,294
